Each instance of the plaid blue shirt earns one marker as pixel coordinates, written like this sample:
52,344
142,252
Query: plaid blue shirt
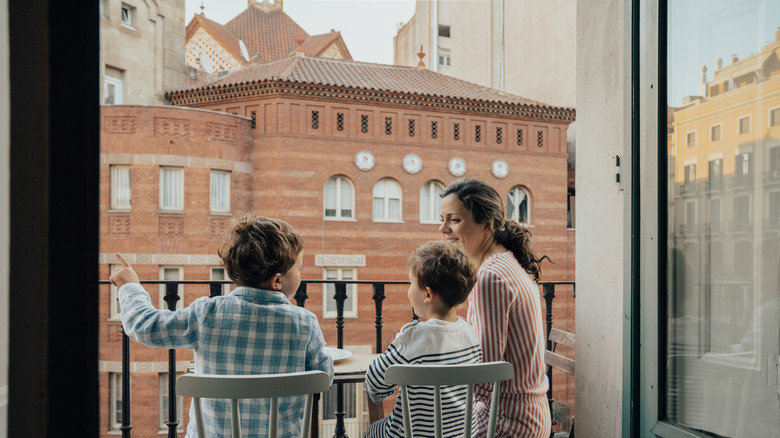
249,331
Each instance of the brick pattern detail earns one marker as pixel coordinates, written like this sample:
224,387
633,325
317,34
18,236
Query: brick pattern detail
171,127
119,224
114,332
220,132
172,225
120,125
219,227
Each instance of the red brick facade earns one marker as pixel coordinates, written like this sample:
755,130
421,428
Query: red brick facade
280,169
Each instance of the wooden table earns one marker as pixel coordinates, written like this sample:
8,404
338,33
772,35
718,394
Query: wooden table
349,370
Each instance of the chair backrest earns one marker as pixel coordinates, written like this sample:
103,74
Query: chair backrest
446,375
270,386
551,358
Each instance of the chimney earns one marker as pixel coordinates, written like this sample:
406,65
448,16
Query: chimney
300,41
734,58
777,34
250,3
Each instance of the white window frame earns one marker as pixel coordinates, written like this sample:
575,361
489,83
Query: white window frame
339,181
118,90
114,312
515,213
749,127
225,287
114,396
127,16
328,290
180,205
162,404
720,131
213,199
429,191
179,304
328,427
118,195
688,144
769,116
386,200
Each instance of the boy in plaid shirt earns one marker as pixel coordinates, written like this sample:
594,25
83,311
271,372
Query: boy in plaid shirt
253,330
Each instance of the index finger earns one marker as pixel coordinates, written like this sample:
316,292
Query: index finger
124,262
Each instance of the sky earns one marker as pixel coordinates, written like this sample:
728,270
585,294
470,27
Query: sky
701,31
367,26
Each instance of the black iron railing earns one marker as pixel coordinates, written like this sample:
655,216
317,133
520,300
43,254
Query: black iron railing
215,289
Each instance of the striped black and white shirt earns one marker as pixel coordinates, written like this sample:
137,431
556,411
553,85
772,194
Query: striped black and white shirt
433,342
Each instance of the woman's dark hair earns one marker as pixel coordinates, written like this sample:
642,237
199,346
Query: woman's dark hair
486,207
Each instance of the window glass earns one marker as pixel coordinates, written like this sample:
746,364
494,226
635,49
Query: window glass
220,191
120,187
171,188
387,200
163,404
517,205
171,273
430,202
338,198
115,401
329,291
723,305
218,274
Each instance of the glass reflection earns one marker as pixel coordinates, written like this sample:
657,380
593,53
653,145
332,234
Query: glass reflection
724,217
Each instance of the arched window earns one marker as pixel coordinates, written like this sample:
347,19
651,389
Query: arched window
517,204
430,202
387,200
339,199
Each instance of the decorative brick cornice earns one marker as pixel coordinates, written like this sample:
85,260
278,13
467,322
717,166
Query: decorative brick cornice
277,88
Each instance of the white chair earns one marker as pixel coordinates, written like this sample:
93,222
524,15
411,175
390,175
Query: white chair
446,375
270,386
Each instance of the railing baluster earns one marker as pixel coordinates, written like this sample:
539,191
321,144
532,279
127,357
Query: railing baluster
548,292
171,297
215,290
340,297
300,295
378,297
126,427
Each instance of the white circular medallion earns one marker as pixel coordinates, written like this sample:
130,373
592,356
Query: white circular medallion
457,167
412,163
500,168
364,160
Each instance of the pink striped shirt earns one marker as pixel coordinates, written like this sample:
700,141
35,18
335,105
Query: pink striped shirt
505,310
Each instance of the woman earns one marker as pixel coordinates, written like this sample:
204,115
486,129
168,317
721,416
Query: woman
504,305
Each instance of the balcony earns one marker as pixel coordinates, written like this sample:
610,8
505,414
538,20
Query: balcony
561,399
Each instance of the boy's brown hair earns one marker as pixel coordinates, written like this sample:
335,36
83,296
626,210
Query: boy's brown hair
446,269
259,247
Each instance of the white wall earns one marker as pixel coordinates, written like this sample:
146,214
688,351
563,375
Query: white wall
603,131
5,193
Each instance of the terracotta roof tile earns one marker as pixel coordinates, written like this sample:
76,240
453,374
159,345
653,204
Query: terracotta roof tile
316,44
268,34
368,76
218,32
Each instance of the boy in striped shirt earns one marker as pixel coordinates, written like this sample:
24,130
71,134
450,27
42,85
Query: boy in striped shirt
441,276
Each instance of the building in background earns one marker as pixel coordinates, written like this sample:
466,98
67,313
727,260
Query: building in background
141,51
352,154
262,33
520,47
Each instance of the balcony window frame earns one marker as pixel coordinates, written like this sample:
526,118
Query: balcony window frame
118,190
719,126
162,404
225,287
162,304
515,213
688,136
127,16
114,398
773,116
226,192
749,119
429,192
179,207
386,200
118,94
339,181
329,290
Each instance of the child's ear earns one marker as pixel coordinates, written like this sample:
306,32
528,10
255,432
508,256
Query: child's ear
429,295
276,282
